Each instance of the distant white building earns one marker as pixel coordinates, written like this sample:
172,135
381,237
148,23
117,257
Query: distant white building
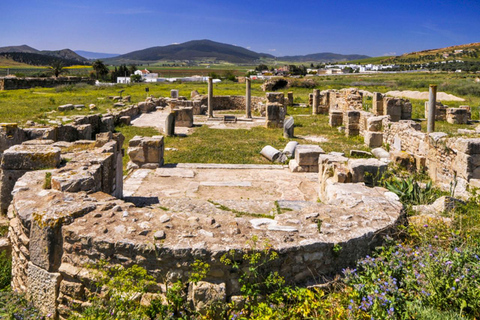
123,80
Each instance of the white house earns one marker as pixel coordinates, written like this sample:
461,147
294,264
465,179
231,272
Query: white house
123,80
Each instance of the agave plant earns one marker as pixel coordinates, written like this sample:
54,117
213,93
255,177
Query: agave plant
410,192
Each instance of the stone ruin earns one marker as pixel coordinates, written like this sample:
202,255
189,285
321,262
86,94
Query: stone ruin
68,209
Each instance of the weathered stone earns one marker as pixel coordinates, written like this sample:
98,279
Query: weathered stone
65,107
366,170
307,155
288,127
30,157
375,124
380,153
146,150
43,289
290,148
205,294
184,117
273,154
373,139
335,118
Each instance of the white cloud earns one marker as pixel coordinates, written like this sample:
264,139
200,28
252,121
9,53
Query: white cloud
272,50
390,54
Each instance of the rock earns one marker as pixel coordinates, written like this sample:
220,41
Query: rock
360,153
159,235
307,154
194,94
65,107
92,107
366,170
205,294
119,105
79,106
381,153
165,218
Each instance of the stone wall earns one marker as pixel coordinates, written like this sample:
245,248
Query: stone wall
56,233
10,83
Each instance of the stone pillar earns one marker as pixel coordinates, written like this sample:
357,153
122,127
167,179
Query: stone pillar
316,98
290,99
377,104
210,97
248,98
170,124
432,101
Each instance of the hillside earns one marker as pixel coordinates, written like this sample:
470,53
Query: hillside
192,50
9,63
95,55
27,55
323,57
465,52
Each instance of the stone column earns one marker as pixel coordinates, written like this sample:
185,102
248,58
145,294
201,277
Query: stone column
432,101
316,98
248,98
210,97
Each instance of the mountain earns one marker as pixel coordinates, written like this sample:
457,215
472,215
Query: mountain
192,50
66,54
28,55
96,55
323,57
22,48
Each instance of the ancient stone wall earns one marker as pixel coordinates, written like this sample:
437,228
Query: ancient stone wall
9,83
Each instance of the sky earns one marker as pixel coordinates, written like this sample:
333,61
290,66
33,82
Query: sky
280,27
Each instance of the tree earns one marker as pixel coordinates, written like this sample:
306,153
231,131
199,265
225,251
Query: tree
132,68
57,68
136,78
100,68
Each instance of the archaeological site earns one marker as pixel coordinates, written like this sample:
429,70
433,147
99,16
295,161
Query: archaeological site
71,202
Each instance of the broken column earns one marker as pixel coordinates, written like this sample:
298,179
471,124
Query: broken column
248,98
274,115
170,124
335,118
290,99
316,100
174,94
432,100
377,103
351,121
210,97
288,128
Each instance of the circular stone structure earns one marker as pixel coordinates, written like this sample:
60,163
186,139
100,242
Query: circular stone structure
56,234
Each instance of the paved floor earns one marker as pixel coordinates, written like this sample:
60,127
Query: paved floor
157,120
250,188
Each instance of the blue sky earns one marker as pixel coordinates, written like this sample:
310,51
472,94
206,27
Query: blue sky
277,27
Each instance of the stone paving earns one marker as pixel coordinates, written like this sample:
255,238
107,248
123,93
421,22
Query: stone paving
157,120
249,188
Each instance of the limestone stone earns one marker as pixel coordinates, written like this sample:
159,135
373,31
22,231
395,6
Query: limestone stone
307,155
146,150
373,139
30,157
65,107
457,115
375,123
184,117
43,289
125,120
381,153
204,294
468,146
107,124
335,118
402,158
366,170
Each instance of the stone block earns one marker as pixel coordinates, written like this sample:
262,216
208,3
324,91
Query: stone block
373,139
174,94
45,246
107,124
457,116
276,97
146,150
65,107
307,155
42,289
375,124
84,131
205,294
67,133
406,111
469,146
393,108
125,120
30,157
335,118
184,117
366,170
381,153
402,158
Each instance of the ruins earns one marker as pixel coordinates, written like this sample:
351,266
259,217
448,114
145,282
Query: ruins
70,206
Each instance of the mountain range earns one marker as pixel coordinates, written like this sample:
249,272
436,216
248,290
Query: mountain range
195,50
